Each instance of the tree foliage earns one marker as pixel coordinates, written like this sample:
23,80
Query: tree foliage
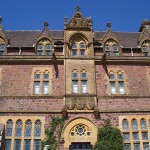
54,133
109,138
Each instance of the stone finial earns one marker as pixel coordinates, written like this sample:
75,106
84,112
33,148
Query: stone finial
77,8
46,23
65,20
1,19
108,25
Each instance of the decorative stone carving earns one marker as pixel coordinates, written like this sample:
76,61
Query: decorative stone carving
80,103
70,104
78,21
90,104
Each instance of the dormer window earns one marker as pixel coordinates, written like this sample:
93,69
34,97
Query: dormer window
145,50
40,49
107,50
111,48
82,49
115,50
145,47
74,50
2,49
78,46
44,47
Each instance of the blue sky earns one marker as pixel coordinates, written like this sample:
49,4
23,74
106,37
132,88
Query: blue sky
125,15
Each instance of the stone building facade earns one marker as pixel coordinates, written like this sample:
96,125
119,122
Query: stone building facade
77,73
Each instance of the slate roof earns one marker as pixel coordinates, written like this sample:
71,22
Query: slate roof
127,39
28,38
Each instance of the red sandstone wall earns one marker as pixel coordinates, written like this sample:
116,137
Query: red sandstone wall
137,82
17,79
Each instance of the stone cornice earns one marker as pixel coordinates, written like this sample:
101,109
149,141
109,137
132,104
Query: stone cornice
32,97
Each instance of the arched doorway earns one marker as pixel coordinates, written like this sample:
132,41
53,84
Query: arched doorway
79,133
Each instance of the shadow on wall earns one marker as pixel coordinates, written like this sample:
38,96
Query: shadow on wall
56,70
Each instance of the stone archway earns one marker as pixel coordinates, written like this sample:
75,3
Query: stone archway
79,130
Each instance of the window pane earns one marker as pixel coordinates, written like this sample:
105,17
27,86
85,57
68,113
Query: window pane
28,128
84,86
135,135
144,49
127,147
9,126
18,128
74,75
125,124
27,144
144,135
121,87
17,145
37,145
36,76
46,76
39,52
36,87
75,86
74,52
37,128
48,47
111,76
83,75
126,136
40,47
2,47
115,48
112,88
74,46
136,146
143,124
107,48
82,46
120,76
82,52
45,87
145,146
7,144
134,124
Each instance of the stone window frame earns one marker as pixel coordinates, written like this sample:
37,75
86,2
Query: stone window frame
78,40
79,80
42,70
117,81
22,138
109,48
145,47
2,44
139,131
44,42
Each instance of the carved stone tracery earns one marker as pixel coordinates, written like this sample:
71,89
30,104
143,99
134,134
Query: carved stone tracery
80,103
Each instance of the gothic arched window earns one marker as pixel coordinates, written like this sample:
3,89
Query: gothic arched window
125,125
134,124
143,124
28,128
9,127
18,128
37,132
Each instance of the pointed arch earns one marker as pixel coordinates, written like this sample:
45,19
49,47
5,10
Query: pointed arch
86,126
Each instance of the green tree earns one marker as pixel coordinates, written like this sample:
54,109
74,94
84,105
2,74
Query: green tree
54,133
109,138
